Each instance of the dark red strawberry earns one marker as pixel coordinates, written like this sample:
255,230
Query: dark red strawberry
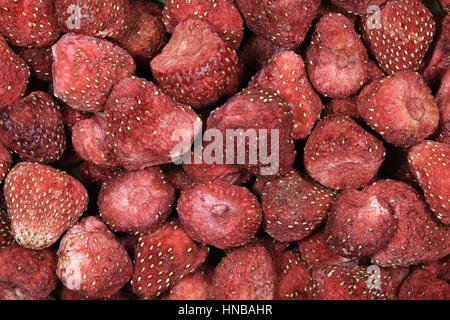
136,201
39,61
219,214
292,276
6,237
12,293
445,5
164,257
400,36
195,286
5,162
96,174
373,71
177,177
43,203
359,7
67,294
85,69
442,134
33,128
342,107
424,285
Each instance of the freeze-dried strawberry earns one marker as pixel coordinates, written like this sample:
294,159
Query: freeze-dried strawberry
265,119
358,224
400,36
261,181
423,285
67,294
316,254
294,206
397,166
29,23
327,7
29,272
292,276
219,214
373,71
247,273
100,18
5,162
39,60
285,74
6,237
195,286
429,161
445,5
400,108
14,75
96,174
418,237
222,15
196,67
164,257
359,7
336,59
145,126
12,293
33,128
342,107
442,133
340,154
177,177
136,201
43,203
146,34
283,22
91,260
85,69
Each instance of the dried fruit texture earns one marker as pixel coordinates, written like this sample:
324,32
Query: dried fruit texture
429,163
141,121
71,116
177,177
163,258
6,237
222,15
14,75
262,180
359,7
294,206
342,107
85,69
442,133
39,60
358,224
146,34
327,7
292,276
283,22
336,59
43,203
402,37
418,237
67,294
285,74
91,260
11,293
396,164
100,18
400,108
247,273
96,174
30,273
29,23
5,162
445,5
219,214
373,71
424,285
197,67
89,141
33,128
316,254
255,109
136,201
340,154
195,286
351,283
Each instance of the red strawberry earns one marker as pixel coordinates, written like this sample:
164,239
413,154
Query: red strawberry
195,286
336,59
262,180
6,237
430,163
247,273
14,76
439,268
327,7
222,15
197,67
96,174
136,201
91,260
177,177
39,61
443,101
30,273
164,257
359,7
100,18
419,237
145,126
29,23
294,206
11,293
283,22
285,74
146,34
373,72
401,40
340,154
43,203
67,294
342,107
219,214
33,128
400,108
5,162
445,5
424,285
85,69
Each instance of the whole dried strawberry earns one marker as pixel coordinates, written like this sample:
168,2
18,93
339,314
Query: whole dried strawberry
5,162
6,237
442,134
399,35
39,61
177,177
359,7
96,174
164,257
85,68
197,67
219,214
292,276
194,286
424,285
43,203
33,128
